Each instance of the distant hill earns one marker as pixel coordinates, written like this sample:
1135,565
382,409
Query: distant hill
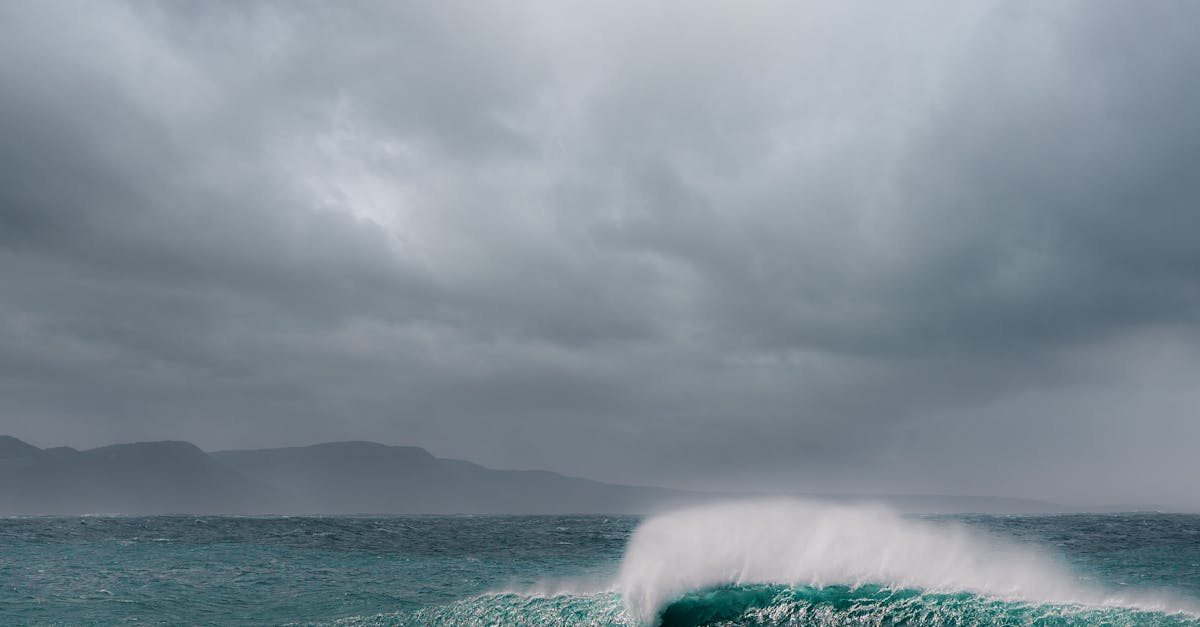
365,477
142,478
334,478
342,478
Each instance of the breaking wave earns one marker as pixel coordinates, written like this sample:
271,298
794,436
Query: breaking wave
757,555
786,562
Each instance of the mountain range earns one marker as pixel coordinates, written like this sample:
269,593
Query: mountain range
340,478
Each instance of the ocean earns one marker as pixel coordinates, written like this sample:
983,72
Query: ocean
752,563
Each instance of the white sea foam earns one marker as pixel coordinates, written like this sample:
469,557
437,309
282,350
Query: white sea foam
801,543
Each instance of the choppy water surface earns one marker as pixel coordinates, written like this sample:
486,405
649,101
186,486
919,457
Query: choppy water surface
779,563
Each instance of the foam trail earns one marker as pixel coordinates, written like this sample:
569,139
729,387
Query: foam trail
799,543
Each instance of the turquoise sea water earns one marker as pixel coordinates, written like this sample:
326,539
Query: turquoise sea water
778,565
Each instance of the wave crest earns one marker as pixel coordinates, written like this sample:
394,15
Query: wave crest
804,544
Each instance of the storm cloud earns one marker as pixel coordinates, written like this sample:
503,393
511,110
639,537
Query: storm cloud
922,247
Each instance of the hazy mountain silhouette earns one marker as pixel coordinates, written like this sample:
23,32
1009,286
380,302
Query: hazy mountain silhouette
339,478
147,477
343,477
370,477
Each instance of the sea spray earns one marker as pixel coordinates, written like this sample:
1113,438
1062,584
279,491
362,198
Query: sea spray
807,544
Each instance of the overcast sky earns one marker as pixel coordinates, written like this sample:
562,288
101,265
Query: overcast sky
944,247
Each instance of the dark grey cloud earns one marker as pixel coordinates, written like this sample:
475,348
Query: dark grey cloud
932,247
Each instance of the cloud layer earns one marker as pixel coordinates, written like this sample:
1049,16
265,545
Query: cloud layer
926,247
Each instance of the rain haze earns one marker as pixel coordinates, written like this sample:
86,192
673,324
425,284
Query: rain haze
931,248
